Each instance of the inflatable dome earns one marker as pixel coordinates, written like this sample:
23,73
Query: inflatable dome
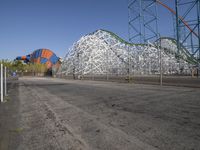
41,56
44,56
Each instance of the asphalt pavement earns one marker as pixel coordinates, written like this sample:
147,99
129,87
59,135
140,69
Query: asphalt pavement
58,114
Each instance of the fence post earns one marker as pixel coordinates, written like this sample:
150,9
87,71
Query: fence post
5,82
2,83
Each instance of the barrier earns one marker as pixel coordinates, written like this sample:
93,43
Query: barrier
3,82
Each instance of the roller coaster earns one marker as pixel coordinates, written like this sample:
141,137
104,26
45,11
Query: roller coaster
143,22
103,52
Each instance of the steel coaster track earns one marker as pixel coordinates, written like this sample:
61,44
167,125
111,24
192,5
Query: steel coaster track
180,17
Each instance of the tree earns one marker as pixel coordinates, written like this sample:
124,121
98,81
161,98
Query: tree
19,66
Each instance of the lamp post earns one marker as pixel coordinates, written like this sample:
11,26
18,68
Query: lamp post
160,57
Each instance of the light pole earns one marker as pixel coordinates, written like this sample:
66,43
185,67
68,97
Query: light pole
160,51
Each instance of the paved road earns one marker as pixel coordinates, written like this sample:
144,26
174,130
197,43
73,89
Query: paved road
55,114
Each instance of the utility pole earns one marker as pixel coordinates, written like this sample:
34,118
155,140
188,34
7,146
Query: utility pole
107,65
129,39
160,51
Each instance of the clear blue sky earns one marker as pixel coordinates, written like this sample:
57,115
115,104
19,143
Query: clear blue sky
26,25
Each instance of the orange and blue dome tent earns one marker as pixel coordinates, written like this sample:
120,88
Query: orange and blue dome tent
41,56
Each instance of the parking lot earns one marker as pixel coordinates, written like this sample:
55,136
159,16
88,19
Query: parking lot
47,113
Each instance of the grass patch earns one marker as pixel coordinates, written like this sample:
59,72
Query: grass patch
17,130
6,98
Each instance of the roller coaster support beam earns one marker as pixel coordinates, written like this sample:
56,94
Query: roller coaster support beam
186,18
190,11
177,29
198,17
180,18
142,21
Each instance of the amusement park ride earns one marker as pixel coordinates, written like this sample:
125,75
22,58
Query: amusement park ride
147,52
187,14
41,56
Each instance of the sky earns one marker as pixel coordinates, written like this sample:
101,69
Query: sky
27,25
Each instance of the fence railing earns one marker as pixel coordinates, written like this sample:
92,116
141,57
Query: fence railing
3,82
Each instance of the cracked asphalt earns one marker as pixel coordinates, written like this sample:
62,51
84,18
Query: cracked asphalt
58,114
